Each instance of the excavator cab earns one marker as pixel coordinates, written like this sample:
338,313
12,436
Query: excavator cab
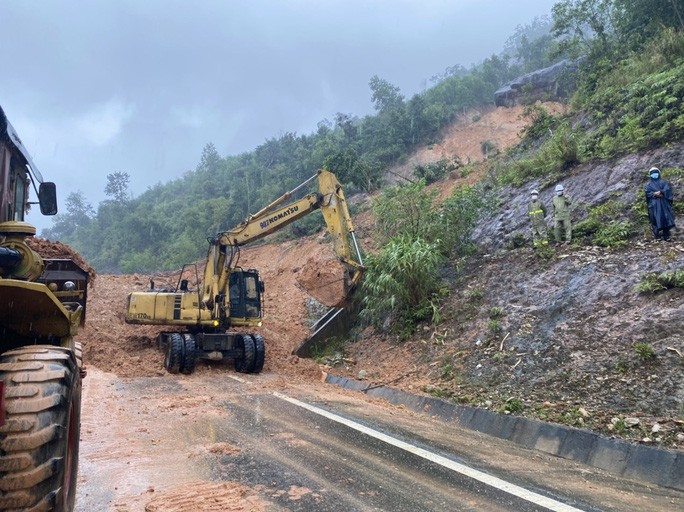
244,299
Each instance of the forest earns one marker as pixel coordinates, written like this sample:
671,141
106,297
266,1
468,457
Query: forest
629,88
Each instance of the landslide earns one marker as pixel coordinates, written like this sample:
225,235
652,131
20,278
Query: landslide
551,338
560,335
301,277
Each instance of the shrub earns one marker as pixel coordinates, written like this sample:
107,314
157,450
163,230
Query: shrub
402,280
436,171
489,148
645,351
605,227
653,283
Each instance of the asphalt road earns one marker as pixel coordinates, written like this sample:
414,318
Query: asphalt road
155,444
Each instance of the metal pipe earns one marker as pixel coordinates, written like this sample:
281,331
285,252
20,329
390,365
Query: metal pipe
356,245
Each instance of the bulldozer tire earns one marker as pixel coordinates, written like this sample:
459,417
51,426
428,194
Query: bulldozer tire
190,359
39,440
260,353
244,363
78,352
175,349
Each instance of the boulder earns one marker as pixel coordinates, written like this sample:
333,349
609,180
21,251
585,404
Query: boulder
552,83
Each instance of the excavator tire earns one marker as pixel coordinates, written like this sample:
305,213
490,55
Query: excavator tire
175,349
244,363
190,359
39,441
260,353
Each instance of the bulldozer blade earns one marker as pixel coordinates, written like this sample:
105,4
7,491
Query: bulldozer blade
334,324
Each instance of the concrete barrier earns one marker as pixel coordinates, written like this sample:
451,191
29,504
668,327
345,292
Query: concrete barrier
639,462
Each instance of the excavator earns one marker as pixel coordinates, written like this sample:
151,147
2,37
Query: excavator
230,295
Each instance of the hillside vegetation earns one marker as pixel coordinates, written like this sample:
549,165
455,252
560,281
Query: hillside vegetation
455,302
589,334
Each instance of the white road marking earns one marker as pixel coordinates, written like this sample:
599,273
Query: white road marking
485,478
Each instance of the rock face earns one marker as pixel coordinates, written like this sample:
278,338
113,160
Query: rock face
575,321
546,84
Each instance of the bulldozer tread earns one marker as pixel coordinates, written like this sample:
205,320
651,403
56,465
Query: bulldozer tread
20,366
43,356
22,392
29,442
17,425
15,462
39,442
33,404
38,374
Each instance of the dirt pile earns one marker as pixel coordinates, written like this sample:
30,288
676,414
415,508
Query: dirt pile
130,350
58,250
295,273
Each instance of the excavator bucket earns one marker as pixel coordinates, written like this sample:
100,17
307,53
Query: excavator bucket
334,324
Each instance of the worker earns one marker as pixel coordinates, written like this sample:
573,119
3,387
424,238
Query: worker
537,220
561,215
659,199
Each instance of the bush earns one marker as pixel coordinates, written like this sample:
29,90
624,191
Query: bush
560,151
653,283
436,171
411,210
605,226
645,351
402,280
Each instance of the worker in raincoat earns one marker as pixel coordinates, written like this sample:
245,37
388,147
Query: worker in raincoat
561,215
659,198
537,212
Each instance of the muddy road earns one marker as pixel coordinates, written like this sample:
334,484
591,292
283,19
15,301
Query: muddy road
217,441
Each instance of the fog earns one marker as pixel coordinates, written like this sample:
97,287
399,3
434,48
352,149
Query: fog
142,86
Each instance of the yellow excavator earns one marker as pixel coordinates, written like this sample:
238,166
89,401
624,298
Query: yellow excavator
229,295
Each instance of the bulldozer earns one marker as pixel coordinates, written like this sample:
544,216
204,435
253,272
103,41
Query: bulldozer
42,306
231,295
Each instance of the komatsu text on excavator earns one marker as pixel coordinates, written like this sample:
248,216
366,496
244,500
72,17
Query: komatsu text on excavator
231,296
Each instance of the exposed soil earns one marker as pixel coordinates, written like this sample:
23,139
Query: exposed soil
297,275
566,327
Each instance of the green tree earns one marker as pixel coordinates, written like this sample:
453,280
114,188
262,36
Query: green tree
385,96
117,187
79,214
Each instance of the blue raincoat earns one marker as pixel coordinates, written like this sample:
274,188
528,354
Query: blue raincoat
659,208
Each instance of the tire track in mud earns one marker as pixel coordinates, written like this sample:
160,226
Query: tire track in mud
209,497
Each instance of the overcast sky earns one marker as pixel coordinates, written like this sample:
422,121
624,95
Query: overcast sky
141,86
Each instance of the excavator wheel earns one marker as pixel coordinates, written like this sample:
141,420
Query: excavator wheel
260,353
39,441
244,363
175,349
190,359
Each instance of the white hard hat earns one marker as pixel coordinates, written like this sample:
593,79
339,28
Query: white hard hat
654,169
559,188
534,192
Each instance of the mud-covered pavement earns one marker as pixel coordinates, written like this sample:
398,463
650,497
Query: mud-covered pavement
217,441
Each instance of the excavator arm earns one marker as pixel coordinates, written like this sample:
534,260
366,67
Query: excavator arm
223,249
